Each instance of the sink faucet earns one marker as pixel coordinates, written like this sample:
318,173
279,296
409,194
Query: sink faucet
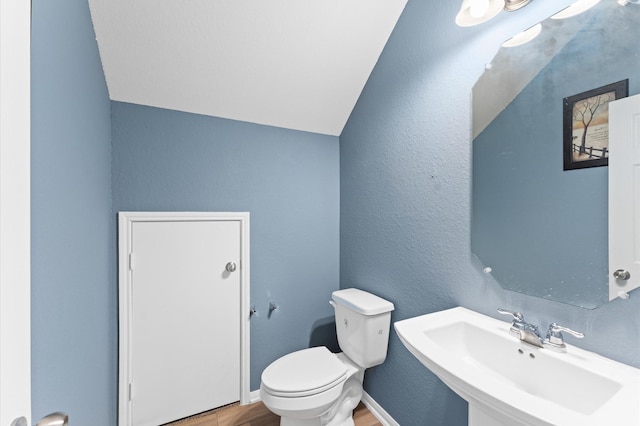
554,339
531,334
523,330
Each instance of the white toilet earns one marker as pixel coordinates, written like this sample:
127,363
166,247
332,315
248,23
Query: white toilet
314,386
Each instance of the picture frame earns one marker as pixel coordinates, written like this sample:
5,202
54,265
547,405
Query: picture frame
586,125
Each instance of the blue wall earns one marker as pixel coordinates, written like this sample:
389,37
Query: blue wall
162,160
73,298
288,180
405,164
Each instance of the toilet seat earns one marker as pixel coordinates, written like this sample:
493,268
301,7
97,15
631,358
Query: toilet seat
304,373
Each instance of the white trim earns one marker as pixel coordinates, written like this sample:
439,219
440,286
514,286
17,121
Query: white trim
125,221
15,213
254,397
377,410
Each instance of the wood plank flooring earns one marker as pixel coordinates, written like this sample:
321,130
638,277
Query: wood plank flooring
259,415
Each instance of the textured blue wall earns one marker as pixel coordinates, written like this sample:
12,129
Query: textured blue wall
289,182
405,164
73,298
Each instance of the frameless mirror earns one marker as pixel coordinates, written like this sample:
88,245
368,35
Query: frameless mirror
537,228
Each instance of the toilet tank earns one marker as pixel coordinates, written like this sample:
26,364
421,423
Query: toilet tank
362,325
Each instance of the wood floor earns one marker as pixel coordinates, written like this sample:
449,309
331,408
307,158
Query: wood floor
258,415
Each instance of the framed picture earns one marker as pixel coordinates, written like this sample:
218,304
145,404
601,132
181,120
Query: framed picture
586,125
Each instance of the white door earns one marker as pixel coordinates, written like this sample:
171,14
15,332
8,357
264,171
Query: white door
624,196
15,341
184,321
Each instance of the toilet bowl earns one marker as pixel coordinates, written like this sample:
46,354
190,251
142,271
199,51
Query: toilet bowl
315,387
302,386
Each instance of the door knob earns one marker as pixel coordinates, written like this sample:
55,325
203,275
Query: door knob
621,274
231,267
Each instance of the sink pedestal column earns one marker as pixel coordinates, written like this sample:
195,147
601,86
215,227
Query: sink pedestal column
486,417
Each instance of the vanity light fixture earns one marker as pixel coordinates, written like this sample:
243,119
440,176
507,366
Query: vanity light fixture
577,8
523,37
511,5
474,12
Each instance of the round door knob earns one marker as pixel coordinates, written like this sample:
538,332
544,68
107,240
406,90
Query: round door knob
231,267
621,274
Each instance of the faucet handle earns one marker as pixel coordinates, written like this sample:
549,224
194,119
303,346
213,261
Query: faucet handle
554,338
517,324
517,316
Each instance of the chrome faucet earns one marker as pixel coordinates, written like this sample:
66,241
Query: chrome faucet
518,321
555,340
523,330
530,333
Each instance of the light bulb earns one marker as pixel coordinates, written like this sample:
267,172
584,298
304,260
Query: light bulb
478,8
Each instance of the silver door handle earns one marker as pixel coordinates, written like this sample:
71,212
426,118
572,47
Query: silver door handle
621,274
231,267
53,419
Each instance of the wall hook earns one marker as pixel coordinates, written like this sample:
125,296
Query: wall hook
272,307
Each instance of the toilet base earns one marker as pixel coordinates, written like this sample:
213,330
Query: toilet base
340,413
287,421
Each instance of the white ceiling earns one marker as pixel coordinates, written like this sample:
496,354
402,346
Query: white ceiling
297,64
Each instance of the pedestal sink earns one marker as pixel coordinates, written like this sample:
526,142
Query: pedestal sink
508,382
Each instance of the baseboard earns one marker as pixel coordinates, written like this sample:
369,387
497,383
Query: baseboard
254,396
377,410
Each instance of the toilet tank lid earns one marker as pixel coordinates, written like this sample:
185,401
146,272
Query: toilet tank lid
362,302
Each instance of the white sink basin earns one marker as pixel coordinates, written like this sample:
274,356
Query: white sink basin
509,382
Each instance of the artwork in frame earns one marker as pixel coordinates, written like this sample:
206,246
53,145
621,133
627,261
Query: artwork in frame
586,125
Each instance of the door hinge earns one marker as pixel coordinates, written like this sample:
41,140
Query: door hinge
131,261
130,392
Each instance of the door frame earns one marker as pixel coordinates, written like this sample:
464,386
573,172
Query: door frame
15,207
125,234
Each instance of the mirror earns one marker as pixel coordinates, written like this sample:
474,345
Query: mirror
536,228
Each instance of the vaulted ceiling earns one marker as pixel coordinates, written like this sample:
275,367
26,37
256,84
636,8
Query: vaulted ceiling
296,64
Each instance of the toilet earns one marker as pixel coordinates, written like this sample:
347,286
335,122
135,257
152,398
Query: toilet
314,386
